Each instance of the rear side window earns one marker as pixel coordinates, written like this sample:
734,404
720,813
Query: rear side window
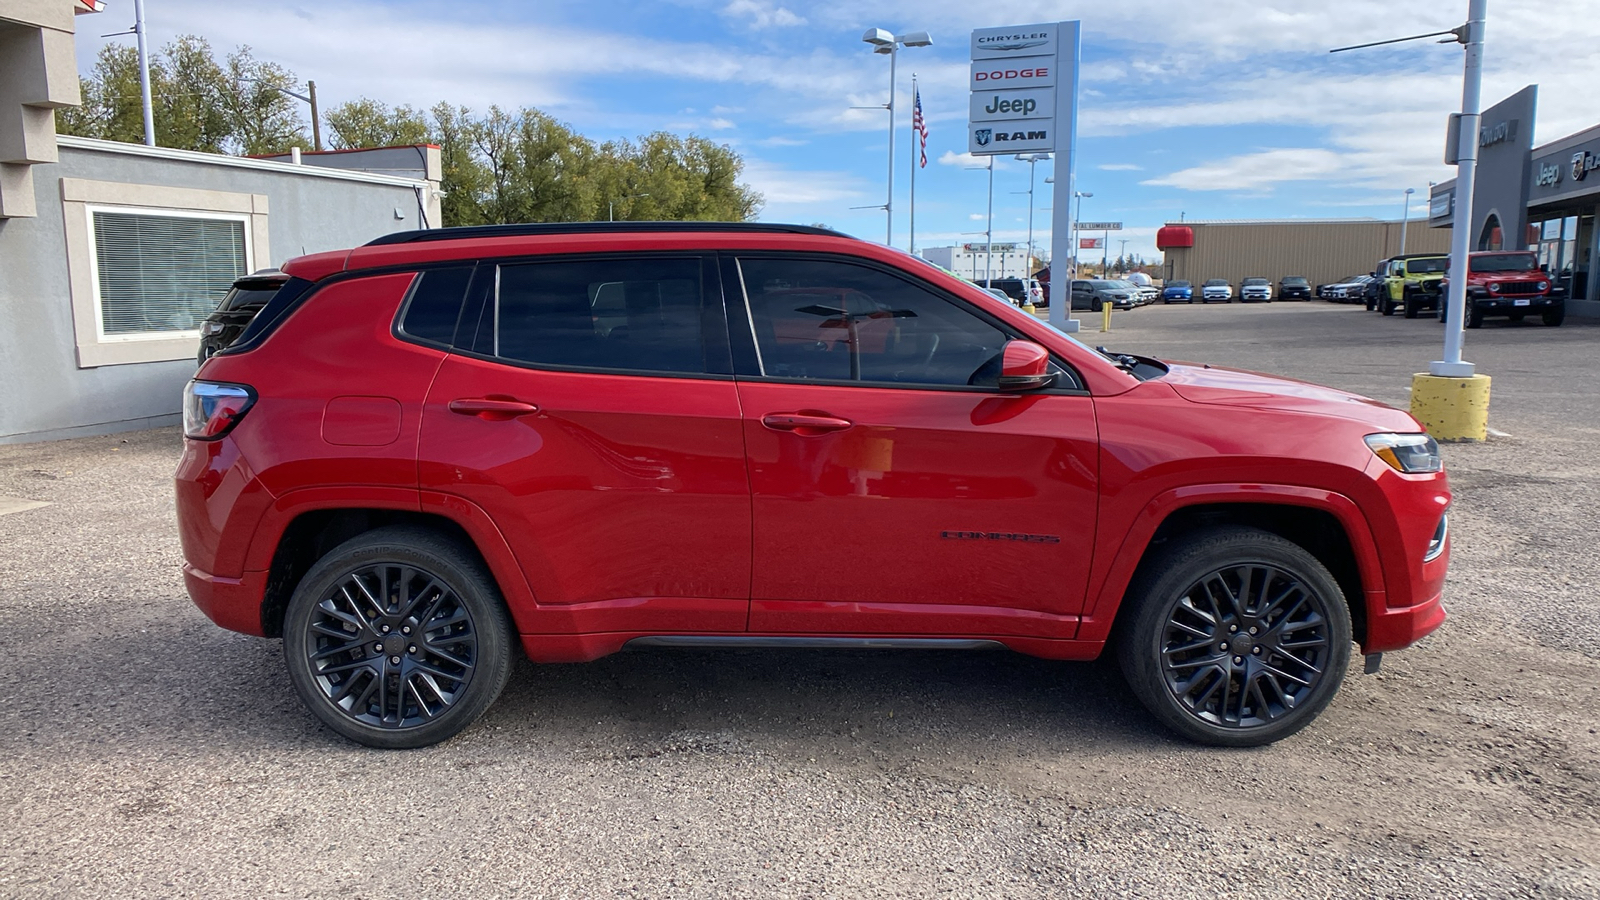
288,297
435,304
646,314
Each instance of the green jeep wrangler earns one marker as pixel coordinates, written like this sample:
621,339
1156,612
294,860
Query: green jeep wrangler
1411,283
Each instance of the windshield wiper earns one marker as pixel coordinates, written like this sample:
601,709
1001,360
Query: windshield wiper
1123,360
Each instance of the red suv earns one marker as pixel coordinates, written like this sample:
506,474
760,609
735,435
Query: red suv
581,438
1507,283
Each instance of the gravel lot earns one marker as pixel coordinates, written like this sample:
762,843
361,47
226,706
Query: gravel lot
143,751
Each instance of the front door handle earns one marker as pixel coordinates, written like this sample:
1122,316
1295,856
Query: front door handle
804,423
492,408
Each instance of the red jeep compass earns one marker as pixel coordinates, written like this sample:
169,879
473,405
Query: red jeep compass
434,447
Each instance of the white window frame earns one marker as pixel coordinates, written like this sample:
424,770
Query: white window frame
81,198
94,265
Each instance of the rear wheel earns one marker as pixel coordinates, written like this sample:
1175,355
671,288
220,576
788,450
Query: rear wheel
397,638
1235,637
1386,306
1554,317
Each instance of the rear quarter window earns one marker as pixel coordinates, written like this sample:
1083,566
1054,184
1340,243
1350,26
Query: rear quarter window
434,306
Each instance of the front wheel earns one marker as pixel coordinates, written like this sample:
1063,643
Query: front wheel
1554,317
1235,637
397,638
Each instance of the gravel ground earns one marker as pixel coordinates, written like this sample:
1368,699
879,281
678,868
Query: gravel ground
143,751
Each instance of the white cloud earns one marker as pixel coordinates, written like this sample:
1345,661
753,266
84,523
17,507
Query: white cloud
720,124
1120,167
760,15
779,140
1256,171
967,160
976,217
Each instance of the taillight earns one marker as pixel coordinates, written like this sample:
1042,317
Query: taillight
211,409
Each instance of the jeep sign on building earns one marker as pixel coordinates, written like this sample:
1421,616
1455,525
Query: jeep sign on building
1543,199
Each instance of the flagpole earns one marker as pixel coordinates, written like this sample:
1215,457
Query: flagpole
917,103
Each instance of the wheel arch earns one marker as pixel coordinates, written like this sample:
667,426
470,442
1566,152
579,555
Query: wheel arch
1326,524
306,528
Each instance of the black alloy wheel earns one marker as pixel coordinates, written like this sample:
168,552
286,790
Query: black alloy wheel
397,638
1239,638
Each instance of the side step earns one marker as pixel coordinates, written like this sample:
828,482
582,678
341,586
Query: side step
858,643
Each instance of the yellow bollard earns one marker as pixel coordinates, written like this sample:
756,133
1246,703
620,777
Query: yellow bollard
1451,409
1105,316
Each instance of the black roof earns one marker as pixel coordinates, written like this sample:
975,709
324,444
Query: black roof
539,228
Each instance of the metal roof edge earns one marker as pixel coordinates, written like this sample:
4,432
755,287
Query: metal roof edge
241,162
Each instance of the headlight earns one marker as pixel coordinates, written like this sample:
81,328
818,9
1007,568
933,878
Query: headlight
1411,453
1544,285
1494,287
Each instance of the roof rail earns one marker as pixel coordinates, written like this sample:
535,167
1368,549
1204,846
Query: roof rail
538,228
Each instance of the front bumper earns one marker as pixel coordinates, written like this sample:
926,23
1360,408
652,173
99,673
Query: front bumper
1503,304
1398,627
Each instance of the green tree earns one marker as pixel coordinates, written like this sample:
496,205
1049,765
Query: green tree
371,123
189,97
261,118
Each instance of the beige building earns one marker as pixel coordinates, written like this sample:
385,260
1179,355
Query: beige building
1322,250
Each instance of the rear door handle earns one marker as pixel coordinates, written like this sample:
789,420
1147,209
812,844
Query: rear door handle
492,408
802,423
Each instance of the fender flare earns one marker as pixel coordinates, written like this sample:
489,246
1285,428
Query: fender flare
1106,592
479,527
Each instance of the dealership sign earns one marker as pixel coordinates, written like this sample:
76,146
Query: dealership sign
1021,78
1091,243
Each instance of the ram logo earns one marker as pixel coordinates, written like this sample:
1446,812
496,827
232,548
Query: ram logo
982,136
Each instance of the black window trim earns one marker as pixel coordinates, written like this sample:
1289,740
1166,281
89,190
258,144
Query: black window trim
482,302
741,327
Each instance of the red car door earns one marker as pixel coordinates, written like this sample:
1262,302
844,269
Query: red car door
894,490
590,410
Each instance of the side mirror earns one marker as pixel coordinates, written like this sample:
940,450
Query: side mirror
1024,366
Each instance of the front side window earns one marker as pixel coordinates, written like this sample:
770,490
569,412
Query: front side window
160,274
835,321
630,314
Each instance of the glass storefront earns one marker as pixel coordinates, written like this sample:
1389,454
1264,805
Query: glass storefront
1565,245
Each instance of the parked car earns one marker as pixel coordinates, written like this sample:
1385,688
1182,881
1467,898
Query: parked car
1178,292
1216,289
1148,292
1350,290
431,449
1507,283
998,294
1120,294
1020,290
1255,290
1294,287
1411,283
237,308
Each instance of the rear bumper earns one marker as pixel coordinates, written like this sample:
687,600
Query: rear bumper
1396,627
233,603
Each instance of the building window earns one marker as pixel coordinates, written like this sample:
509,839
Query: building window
147,263
160,273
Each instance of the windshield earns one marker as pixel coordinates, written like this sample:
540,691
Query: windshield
1216,282
1295,279
1427,266
1255,281
1505,262
1104,285
1179,284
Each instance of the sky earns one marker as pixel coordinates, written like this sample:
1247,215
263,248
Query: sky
1226,109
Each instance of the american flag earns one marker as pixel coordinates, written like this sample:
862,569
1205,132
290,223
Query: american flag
920,126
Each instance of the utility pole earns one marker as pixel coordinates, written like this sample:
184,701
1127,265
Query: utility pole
144,74
316,121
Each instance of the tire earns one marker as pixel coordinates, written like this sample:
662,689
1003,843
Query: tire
1175,614
1411,305
1474,317
459,653
1386,306
1554,317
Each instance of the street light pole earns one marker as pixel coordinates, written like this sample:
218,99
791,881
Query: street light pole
1452,366
884,42
988,235
1030,159
311,86
1406,219
1075,220
144,74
